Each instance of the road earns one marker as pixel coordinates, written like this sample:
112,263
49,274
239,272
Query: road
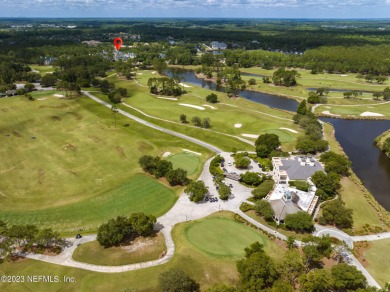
185,210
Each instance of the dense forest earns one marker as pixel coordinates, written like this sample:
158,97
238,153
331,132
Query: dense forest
334,47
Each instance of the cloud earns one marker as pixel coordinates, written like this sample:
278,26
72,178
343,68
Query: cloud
105,7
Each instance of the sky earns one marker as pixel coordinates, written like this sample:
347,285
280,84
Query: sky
196,8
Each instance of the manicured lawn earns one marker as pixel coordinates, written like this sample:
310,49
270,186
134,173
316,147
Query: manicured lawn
139,194
225,237
59,157
255,118
363,212
187,161
139,250
205,269
383,109
378,258
43,69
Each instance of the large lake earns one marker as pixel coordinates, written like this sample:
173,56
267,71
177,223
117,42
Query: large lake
355,136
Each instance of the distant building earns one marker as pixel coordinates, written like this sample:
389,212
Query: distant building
118,55
91,43
294,168
218,46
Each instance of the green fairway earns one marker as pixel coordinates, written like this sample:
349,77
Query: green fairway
204,268
64,164
138,194
378,259
356,111
187,161
284,135
139,250
223,237
254,118
43,69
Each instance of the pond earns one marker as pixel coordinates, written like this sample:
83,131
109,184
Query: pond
355,136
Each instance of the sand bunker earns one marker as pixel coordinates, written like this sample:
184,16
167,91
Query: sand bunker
237,125
184,85
250,135
329,113
186,150
210,106
58,95
140,73
193,106
290,130
43,98
154,72
166,154
370,114
169,98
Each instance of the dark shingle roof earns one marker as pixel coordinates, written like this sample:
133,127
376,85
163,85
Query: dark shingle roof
296,171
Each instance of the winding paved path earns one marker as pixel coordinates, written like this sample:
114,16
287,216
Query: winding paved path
158,128
185,210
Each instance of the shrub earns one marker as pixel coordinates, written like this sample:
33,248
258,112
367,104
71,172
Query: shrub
262,190
300,221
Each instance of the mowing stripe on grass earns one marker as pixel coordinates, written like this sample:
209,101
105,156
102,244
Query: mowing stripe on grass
222,237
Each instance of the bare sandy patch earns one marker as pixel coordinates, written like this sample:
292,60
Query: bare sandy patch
184,85
187,150
168,98
166,154
193,106
250,136
237,125
210,106
370,114
290,130
136,245
329,113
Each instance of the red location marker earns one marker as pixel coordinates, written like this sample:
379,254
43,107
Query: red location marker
118,43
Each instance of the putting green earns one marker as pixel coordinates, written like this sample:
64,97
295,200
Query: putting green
284,136
222,237
185,160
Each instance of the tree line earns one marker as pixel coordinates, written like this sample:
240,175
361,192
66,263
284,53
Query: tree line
17,239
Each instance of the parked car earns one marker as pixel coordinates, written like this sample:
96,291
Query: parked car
78,236
231,186
230,163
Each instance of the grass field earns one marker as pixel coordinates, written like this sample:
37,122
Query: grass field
139,250
60,157
205,269
333,81
356,111
255,118
43,69
363,213
379,260
139,194
223,237
187,161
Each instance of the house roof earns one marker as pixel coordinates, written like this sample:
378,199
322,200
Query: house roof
300,168
282,208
